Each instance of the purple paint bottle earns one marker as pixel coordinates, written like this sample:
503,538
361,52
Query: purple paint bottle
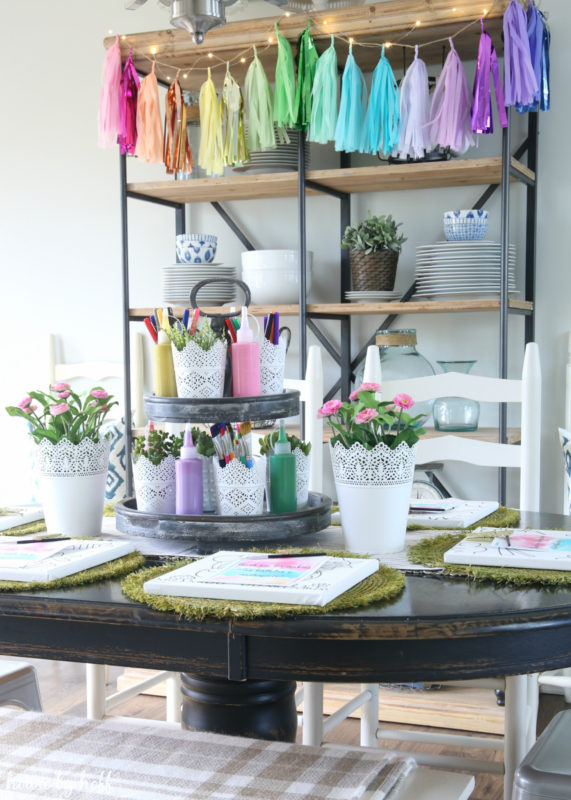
188,478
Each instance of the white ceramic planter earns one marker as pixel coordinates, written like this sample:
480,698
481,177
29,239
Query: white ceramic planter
302,472
72,481
198,372
373,490
155,485
272,367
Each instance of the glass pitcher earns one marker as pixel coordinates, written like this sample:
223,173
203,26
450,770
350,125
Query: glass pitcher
456,413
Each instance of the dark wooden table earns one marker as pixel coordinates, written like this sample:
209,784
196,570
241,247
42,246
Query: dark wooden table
437,629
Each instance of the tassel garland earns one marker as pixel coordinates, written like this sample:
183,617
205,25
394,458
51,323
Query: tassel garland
487,69
324,97
450,108
305,75
284,88
232,112
211,152
520,84
177,155
150,143
414,137
260,127
127,138
539,40
382,121
352,107
109,121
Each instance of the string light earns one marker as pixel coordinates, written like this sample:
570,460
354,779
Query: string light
288,14
185,75
110,32
240,57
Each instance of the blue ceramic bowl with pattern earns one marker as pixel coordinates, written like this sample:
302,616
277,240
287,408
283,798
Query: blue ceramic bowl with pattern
465,225
196,248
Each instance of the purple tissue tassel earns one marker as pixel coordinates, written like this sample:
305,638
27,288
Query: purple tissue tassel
520,83
538,36
450,108
129,92
482,120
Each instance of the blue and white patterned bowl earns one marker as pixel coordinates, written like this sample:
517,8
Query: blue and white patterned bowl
465,225
196,248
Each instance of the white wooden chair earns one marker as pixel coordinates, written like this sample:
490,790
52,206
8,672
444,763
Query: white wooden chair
521,693
98,702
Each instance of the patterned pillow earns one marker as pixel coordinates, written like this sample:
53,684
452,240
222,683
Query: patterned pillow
115,486
565,438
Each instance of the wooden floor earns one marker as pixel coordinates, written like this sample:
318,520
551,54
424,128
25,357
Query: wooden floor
62,687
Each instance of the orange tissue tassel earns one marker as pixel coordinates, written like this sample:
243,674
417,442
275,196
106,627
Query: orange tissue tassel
150,142
177,155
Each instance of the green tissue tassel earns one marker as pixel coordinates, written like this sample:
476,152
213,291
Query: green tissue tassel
284,90
260,129
324,97
307,62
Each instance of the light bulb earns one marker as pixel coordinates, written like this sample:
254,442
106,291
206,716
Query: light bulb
210,55
417,23
243,60
185,75
270,39
110,31
288,13
123,37
153,50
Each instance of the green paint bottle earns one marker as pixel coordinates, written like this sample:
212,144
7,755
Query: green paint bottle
282,476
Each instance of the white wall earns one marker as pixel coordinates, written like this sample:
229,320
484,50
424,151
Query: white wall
60,226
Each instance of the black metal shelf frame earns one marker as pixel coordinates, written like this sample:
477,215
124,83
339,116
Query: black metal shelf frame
342,356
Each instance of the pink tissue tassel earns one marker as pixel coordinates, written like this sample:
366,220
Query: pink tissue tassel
414,111
127,138
451,105
109,117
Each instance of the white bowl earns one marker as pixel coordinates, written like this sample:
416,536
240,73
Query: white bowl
276,284
272,260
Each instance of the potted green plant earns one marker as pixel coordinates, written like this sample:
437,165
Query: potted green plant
72,455
199,360
373,452
302,452
374,246
154,455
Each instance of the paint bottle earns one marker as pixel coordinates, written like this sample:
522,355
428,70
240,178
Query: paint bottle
189,478
282,476
245,354
163,368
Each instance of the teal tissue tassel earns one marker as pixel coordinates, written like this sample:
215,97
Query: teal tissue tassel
324,97
382,121
349,129
307,60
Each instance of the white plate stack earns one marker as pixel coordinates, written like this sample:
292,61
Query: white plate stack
178,280
372,297
469,268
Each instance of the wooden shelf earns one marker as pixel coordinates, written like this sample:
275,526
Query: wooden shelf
382,178
393,21
361,309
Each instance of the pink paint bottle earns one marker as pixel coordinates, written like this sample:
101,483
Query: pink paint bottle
245,361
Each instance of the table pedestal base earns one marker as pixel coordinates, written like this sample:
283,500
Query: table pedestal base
259,709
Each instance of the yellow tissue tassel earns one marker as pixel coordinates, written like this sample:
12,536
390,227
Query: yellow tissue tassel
232,112
210,154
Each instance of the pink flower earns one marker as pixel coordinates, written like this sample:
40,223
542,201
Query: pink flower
59,387
354,395
61,408
366,415
27,410
403,401
25,403
63,395
101,394
329,408
365,387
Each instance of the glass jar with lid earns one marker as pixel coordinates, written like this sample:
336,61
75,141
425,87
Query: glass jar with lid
399,360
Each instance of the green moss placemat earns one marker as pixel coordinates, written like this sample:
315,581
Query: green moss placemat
502,517
385,584
22,530
430,553
103,572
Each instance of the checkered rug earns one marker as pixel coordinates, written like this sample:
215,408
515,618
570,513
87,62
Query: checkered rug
59,757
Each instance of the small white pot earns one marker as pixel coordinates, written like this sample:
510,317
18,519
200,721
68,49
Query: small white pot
72,481
240,489
208,483
302,472
373,490
198,372
155,485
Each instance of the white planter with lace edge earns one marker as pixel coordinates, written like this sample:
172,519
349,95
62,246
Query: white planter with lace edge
71,479
373,491
155,485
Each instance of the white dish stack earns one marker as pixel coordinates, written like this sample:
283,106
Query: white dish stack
178,280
